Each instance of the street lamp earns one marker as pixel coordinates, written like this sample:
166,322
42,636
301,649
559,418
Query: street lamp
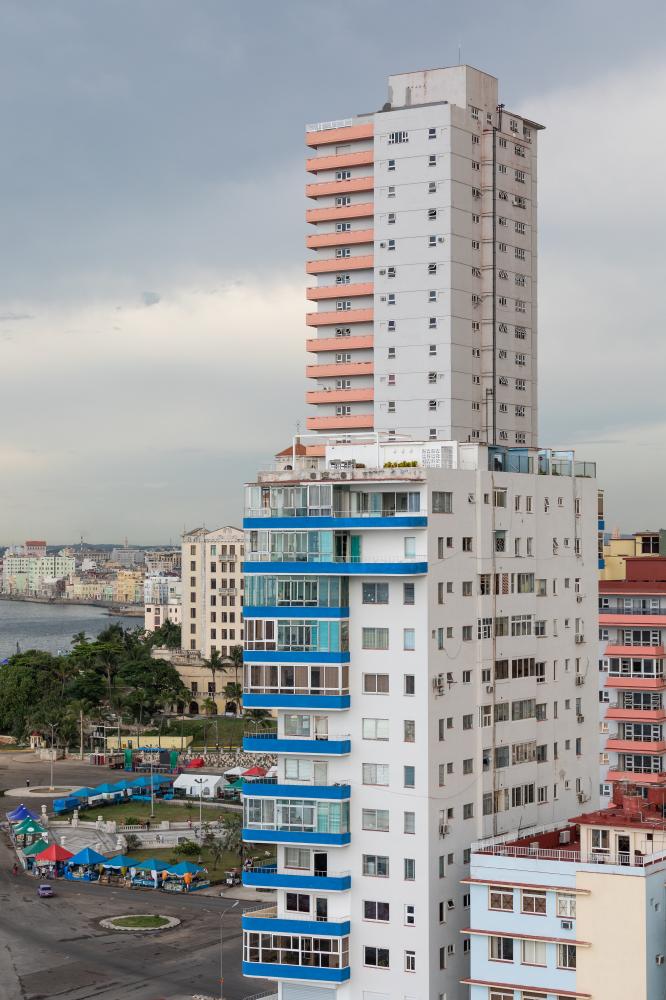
199,782
222,916
152,791
52,726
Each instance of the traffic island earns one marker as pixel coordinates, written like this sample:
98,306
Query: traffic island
134,922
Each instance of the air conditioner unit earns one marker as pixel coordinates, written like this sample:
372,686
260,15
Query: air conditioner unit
489,689
565,837
382,270
579,598
440,239
382,298
443,829
471,498
659,959
580,680
314,475
579,639
580,718
383,245
582,797
566,925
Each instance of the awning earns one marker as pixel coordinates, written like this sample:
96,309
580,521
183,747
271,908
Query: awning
152,865
28,826
120,861
21,812
186,867
87,857
36,848
255,772
54,853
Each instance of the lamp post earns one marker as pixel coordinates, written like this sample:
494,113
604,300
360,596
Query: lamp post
222,915
152,790
52,726
199,782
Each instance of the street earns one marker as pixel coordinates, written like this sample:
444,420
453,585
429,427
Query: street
56,948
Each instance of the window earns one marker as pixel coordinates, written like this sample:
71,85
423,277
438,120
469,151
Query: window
396,137
409,822
375,774
390,165
409,869
375,638
500,898
410,684
375,729
566,905
566,956
373,910
375,593
410,959
378,958
375,819
432,159
442,503
500,949
533,952
409,773
409,730
376,865
375,683
407,593
409,639
410,914
533,901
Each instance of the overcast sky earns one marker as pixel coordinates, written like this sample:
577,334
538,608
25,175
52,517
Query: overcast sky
152,238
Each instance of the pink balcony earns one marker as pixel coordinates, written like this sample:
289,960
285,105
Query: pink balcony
340,239
339,318
360,211
345,134
636,746
340,291
365,157
338,343
361,262
360,395
350,186
344,368
352,421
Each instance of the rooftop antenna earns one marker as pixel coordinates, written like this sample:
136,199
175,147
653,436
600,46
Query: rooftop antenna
460,53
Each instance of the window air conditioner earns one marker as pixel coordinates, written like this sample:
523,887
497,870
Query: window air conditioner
443,829
580,718
580,680
383,245
566,925
382,270
471,498
489,689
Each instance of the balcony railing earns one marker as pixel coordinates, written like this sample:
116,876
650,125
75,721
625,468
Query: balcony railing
296,872
571,857
337,692
328,558
263,912
268,512
634,612
272,734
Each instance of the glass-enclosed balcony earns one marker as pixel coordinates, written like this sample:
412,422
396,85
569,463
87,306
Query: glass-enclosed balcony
291,635
268,591
309,815
334,505
296,685
316,958
266,918
272,550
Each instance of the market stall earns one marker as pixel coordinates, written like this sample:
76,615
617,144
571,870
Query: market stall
26,832
20,813
84,866
30,852
149,874
207,786
52,860
117,870
185,877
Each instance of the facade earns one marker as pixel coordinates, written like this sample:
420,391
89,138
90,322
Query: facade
163,561
128,586
632,636
424,265
422,618
162,597
619,548
573,910
212,590
34,575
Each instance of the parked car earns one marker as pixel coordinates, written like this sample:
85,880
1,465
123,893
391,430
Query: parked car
44,891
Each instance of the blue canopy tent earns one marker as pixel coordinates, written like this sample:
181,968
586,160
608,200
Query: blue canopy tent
104,790
82,793
20,813
150,873
120,861
187,866
84,866
186,877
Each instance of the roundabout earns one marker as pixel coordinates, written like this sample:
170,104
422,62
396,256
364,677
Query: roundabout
139,922
42,791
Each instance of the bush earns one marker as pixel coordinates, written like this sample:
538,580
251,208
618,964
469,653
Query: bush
133,842
187,849
132,821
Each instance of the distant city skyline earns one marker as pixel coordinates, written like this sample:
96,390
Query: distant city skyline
153,208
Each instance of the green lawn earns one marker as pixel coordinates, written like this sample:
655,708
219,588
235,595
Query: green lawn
222,731
216,872
141,810
143,922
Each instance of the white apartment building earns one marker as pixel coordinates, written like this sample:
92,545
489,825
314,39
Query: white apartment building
422,617
425,264
212,590
31,575
162,598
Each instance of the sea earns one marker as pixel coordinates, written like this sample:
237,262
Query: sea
51,626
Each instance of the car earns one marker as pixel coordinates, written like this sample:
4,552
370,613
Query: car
45,890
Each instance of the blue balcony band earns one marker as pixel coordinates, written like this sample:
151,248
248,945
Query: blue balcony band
307,837
265,970
270,523
293,611
283,744
283,925
272,790
280,880
330,702
290,656
339,568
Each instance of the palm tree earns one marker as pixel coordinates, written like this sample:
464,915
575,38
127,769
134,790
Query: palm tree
209,706
236,657
234,693
214,664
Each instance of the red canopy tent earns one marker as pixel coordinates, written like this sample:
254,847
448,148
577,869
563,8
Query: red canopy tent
255,772
54,853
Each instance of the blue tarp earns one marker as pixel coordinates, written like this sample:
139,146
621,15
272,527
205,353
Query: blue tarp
87,857
120,861
153,864
104,790
83,793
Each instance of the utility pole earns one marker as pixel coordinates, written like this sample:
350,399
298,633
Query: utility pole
222,915
81,734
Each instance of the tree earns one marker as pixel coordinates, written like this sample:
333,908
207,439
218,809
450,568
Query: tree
167,635
133,842
233,693
231,836
209,706
236,656
214,664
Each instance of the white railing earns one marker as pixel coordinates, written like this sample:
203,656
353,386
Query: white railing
264,912
624,859
325,126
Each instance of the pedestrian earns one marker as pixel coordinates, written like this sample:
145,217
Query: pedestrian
15,869
27,782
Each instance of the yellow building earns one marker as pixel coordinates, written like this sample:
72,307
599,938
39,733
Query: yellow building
618,549
128,586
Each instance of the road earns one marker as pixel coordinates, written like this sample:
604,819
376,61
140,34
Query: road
55,948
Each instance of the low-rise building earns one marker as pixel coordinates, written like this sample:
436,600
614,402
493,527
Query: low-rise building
163,561
619,548
162,600
577,909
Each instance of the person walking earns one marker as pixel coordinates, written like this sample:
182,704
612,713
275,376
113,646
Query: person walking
27,782
15,869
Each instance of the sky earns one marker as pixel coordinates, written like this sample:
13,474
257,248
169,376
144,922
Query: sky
152,284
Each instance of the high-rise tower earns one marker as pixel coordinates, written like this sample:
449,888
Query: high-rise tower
425,264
